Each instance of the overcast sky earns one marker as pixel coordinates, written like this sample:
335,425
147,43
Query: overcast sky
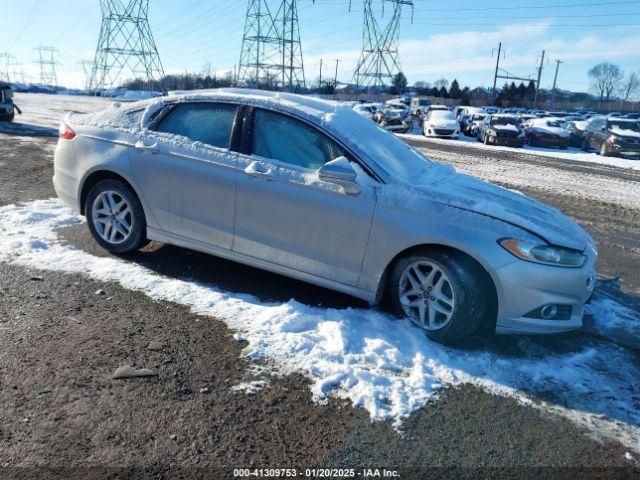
446,39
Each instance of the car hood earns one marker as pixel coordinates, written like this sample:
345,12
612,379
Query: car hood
449,188
546,130
505,128
451,124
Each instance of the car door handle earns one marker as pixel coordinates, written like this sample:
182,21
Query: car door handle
140,145
258,170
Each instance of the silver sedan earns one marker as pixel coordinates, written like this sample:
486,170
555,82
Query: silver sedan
312,190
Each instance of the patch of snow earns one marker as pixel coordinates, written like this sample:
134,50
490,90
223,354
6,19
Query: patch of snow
384,365
250,388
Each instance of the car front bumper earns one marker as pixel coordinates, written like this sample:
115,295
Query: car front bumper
632,151
527,287
402,127
507,141
552,142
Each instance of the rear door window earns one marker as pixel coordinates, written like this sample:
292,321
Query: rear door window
285,139
209,123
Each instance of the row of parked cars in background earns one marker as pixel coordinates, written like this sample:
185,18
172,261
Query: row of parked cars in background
612,134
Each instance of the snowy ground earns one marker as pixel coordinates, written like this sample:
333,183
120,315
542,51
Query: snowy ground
381,364
376,362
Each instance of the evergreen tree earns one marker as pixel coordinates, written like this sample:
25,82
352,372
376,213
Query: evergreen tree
455,91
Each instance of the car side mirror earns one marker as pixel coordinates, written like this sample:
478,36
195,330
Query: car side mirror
340,172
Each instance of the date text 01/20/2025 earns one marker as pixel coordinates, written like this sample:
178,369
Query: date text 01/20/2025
315,473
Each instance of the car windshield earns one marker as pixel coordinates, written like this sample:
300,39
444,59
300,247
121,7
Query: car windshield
634,126
478,117
442,115
392,154
505,121
554,123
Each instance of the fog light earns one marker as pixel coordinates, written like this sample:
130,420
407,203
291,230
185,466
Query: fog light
549,312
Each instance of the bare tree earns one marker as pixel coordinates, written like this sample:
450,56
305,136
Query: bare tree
630,86
441,83
606,79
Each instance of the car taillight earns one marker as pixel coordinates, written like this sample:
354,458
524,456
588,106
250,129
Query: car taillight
66,132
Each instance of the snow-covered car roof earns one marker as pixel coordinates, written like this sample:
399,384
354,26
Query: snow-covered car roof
118,116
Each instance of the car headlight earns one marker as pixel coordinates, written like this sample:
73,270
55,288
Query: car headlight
543,253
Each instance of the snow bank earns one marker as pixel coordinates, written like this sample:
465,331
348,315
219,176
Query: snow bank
384,365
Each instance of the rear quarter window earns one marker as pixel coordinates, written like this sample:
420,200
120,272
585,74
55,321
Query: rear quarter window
210,124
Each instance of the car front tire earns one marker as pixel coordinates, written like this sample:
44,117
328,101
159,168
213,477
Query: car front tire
603,150
115,217
440,293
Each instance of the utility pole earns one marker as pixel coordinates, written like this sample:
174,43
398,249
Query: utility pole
125,46
495,78
335,81
555,80
535,100
321,74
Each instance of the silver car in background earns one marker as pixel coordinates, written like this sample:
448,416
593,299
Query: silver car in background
313,190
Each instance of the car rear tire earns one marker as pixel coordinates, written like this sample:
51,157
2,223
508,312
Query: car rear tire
585,145
116,218
440,293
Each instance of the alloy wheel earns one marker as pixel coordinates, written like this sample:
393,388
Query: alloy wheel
426,295
112,217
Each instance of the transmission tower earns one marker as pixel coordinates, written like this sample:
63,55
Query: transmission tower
8,67
271,50
87,69
126,45
379,60
46,60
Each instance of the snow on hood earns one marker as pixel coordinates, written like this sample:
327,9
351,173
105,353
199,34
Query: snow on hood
509,127
623,132
444,123
560,132
457,190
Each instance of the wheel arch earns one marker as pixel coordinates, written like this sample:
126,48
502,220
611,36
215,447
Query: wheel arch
104,174
487,280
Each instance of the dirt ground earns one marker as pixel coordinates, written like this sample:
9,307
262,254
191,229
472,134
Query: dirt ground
62,414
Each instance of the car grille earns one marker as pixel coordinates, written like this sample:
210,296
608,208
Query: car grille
507,134
393,121
441,131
